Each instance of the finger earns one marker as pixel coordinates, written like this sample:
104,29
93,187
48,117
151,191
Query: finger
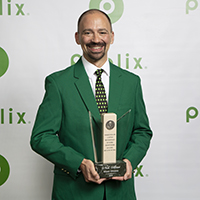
100,180
86,180
119,178
127,176
128,173
94,173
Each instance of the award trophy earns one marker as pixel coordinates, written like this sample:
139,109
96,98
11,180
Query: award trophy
108,166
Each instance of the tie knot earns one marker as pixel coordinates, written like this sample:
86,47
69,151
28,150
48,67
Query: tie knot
98,72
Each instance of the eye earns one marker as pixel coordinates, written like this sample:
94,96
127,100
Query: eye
87,33
103,32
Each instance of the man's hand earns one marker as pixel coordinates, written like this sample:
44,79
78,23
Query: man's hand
89,172
128,173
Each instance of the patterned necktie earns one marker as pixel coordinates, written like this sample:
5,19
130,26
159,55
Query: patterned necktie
100,93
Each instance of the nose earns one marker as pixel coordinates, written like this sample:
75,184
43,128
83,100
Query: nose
96,38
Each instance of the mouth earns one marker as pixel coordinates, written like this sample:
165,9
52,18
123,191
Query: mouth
96,48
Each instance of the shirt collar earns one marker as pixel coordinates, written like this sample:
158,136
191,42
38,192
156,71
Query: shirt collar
90,68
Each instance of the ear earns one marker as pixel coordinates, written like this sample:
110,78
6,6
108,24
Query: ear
112,37
77,38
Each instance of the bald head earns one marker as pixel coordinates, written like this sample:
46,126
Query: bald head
93,11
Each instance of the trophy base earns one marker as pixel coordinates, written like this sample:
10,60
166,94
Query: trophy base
108,170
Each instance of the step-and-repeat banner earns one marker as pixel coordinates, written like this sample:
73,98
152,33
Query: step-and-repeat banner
159,40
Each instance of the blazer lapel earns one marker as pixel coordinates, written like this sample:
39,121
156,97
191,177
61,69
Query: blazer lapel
115,90
83,85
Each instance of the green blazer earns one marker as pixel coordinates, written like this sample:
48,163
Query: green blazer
62,133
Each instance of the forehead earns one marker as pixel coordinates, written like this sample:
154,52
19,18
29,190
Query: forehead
94,20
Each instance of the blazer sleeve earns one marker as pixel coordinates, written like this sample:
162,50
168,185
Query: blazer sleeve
141,133
44,139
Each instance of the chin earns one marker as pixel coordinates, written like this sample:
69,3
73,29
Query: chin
97,58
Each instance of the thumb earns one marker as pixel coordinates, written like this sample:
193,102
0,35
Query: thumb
94,173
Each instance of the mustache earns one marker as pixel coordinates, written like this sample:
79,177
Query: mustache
96,44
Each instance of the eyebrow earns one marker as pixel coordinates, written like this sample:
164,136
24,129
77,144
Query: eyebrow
101,29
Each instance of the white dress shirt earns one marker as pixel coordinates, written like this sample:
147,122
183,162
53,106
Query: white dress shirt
90,70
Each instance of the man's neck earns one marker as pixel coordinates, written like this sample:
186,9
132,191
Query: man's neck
98,63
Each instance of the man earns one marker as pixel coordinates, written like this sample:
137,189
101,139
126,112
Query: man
62,133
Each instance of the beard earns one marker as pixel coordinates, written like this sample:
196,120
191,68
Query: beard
96,56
